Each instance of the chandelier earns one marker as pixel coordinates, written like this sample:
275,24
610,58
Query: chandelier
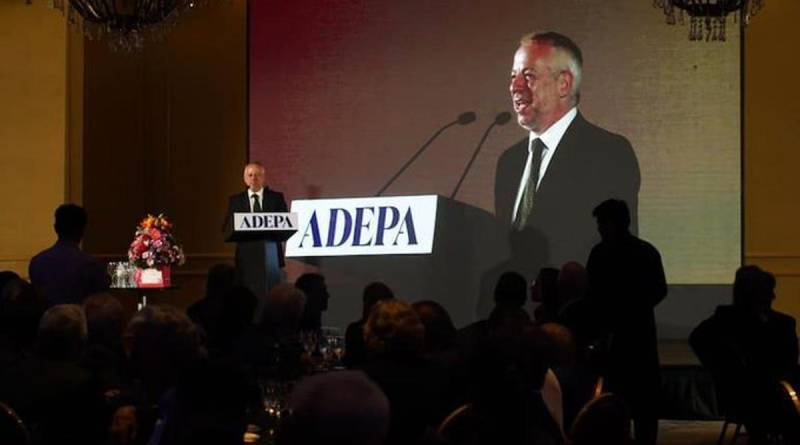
708,18
125,24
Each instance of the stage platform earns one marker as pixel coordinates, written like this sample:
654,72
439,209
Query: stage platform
687,388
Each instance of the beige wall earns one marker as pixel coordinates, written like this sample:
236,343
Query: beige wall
32,128
772,150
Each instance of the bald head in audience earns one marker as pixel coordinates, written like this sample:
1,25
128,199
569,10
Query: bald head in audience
337,408
62,333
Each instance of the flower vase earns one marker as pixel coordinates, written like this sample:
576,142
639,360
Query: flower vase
153,277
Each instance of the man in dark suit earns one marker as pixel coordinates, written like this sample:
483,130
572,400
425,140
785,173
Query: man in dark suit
626,283
547,185
258,263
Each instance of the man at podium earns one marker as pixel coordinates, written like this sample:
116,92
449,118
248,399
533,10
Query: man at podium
258,263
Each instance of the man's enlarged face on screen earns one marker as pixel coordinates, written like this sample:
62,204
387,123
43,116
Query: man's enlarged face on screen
534,88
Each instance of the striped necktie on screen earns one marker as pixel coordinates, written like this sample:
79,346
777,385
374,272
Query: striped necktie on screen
529,192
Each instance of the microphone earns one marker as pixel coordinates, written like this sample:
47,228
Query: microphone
502,118
469,117
499,120
462,119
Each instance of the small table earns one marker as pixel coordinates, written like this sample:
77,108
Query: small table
142,292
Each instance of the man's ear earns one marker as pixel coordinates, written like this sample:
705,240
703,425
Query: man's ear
564,83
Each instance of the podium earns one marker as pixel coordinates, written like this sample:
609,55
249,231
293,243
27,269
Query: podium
265,226
259,254
468,245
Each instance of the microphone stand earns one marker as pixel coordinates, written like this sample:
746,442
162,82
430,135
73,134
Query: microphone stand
463,119
501,119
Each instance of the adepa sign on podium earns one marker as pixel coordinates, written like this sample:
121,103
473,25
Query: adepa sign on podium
363,226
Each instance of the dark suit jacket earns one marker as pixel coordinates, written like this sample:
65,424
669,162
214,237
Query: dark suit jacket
251,268
626,282
589,166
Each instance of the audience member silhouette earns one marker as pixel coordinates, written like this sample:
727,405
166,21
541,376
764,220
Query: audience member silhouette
748,347
626,282
21,308
510,294
162,345
199,400
64,273
575,311
545,292
272,348
105,354
604,421
355,351
576,380
507,377
440,333
205,311
233,320
5,277
416,390
56,398
317,296
356,412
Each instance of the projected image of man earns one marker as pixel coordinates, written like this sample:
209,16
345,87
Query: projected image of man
547,184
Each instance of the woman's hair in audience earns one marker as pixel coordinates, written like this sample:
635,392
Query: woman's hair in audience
62,333
393,328
373,293
440,333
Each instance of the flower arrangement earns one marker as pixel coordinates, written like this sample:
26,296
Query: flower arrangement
153,244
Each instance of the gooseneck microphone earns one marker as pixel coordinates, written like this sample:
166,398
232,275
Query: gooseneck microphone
462,119
500,119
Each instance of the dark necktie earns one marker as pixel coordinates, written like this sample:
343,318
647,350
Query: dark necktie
256,204
529,192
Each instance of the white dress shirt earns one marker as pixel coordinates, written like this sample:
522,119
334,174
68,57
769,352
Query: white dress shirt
551,138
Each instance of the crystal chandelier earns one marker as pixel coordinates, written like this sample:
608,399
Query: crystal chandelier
125,24
708,18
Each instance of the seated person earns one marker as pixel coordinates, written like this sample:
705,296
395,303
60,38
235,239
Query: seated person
545,292
355,352
336,408
317,296
272,348
415,387
205,312
750,342
57,398
508,375
510,294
